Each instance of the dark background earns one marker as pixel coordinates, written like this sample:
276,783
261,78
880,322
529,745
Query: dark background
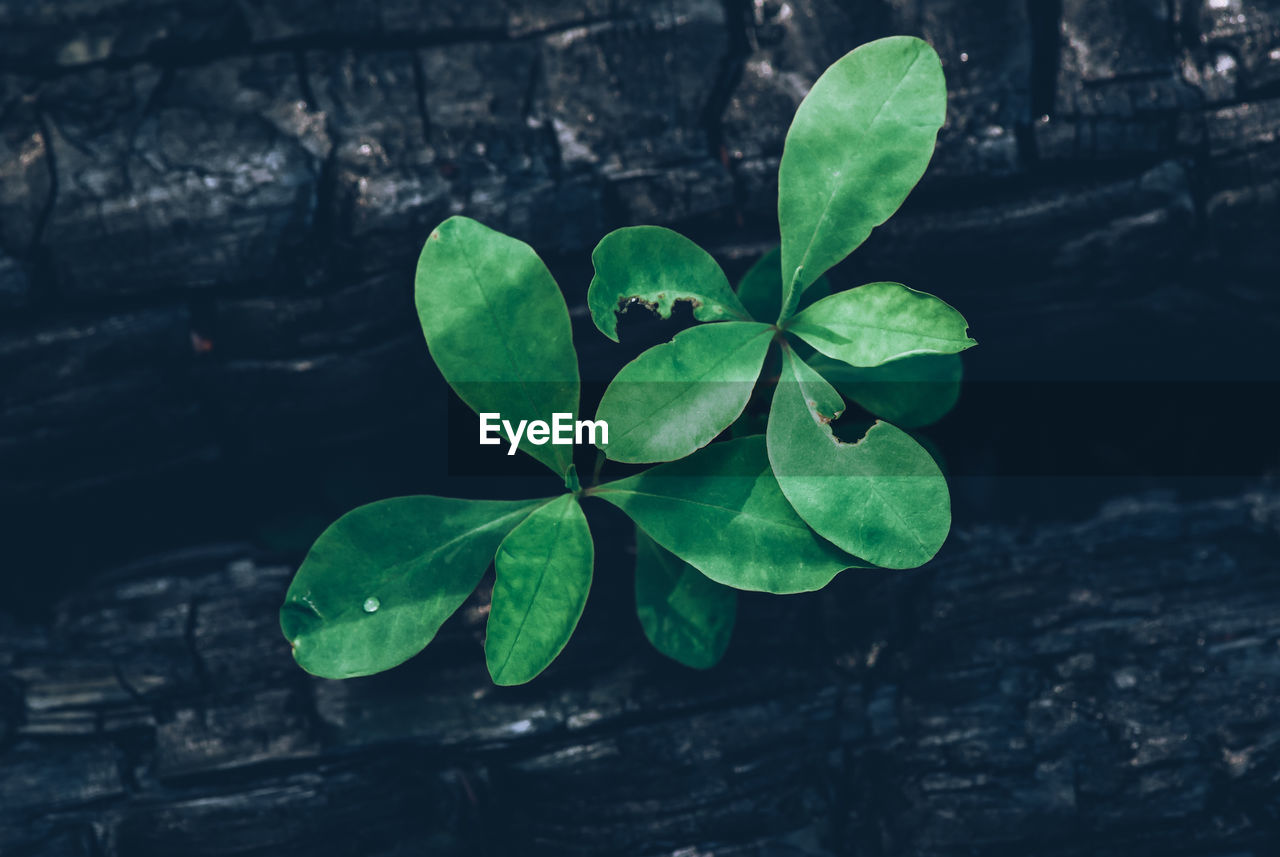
209,214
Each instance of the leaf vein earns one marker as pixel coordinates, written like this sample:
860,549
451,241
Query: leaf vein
653,413
740,513
835,191
542,577
534,410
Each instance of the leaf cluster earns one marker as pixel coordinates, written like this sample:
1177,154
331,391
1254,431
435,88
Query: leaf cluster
781,512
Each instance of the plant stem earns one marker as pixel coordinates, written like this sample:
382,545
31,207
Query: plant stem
595,472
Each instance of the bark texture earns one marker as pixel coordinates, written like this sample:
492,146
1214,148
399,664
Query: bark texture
210,211
209,214
1059,690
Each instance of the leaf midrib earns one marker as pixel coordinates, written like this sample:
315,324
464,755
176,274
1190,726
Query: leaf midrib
874,489
689,384
835,191
811,327
735,512
542,578
511,357
406,567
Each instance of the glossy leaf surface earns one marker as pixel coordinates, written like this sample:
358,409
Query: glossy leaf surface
721,510
912,392
676,397
498,328
381,580
543,573
879,322
859,142
883,498
760,289
655,267
686,615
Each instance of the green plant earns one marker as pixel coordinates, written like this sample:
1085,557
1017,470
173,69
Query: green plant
781,513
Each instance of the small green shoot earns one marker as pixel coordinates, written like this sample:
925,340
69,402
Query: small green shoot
780,513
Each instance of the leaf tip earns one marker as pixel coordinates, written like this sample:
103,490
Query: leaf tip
502,677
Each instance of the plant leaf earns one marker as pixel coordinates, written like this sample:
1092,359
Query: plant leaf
543,574
882,498
380,581
910,392
760,288
498,328
858,144
676,397
686,615
657,267
721,511
879,322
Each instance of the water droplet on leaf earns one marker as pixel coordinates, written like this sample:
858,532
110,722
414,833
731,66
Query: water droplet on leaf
371,605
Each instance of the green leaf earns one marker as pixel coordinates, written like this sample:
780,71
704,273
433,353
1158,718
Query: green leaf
882,498
858,144
760,289
721,511
686,615
676,397
382,579
879,322
543,574
911,392
656,267
498,328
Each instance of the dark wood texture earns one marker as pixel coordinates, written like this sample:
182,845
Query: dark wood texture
1110,687
209,214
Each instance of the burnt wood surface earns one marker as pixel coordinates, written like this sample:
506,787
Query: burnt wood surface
1110,687
209,215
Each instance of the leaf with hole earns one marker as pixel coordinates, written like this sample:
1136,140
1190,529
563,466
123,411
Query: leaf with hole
655,267
882,499
784,512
